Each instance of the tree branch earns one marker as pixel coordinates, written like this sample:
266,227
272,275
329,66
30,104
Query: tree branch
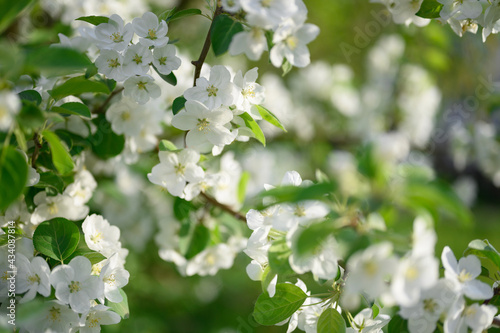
34,157
225,208
496,322
206,47
101,108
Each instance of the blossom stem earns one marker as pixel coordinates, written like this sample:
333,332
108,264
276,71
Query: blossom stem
34,157
206,47
101,108
226,208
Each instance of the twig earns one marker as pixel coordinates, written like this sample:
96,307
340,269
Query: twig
496,322
226,208
101,108
206,47
34,157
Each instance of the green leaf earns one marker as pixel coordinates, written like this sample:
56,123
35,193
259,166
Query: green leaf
31,96
93,256
178,104
267,277
166,14
312,237
288,299
430,9
270,117
21,139
375,310
75,108
50,180
78,85
30,117
254,127
331,321
199,240
397,325
278,254
286,67
222,32
57,238
182,13
61,60
60,156
298,193
13,175
170,78
242,186
95,20
120,308
10,10
483,249
182,208
105,142
166,145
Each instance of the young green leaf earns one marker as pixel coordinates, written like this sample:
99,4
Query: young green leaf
312,237
254,127
269,117
397,325
170,78
278,254
198,241
10,10
331,321
106,143
430,9
50,180
222,32
122,307
78,85
61,60
75,108
95,20
182,13
13,175
93,256
286,67
483,249
60,156
56,238
178,104
30,117
166,145
288,299
242,186
31,96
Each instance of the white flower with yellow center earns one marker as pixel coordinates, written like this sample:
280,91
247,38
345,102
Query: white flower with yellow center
175,170
100,236
32,277
75,285
113,35
463,275
53,316
290,41
268,13
216,91
61,205
136,60
461,317
10,104
97,316
210,260
165,60
250,92
114,276
365,322
110,63
252,43
205,127
125,116
141,88
152,32
460,9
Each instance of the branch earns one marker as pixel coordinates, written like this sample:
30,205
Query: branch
225,208
101,108
34,157
496,322
206,47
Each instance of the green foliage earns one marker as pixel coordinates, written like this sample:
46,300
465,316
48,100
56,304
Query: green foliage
286,67
105,142
60,155
270,117
331,321
242,186
278,255
222,32
77,86
197,240
57,238
254,127
58,60
397,325
13,175
170,78
166,145
172,15
93,256
10,10
31,96
74,108
95,20
311,238
30,117
182,208
50,180
430,9
122,307
483,249
178,104
298,193
288,299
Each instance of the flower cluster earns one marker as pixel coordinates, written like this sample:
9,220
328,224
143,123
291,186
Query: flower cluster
283,20
462,16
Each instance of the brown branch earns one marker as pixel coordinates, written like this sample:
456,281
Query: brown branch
496,322
225,208
101,108
34,157
206,47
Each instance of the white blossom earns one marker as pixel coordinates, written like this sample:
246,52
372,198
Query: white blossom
10,104
216,91
165,60
141,88
152,32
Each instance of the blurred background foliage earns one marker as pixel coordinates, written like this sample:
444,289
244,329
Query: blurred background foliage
160,299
